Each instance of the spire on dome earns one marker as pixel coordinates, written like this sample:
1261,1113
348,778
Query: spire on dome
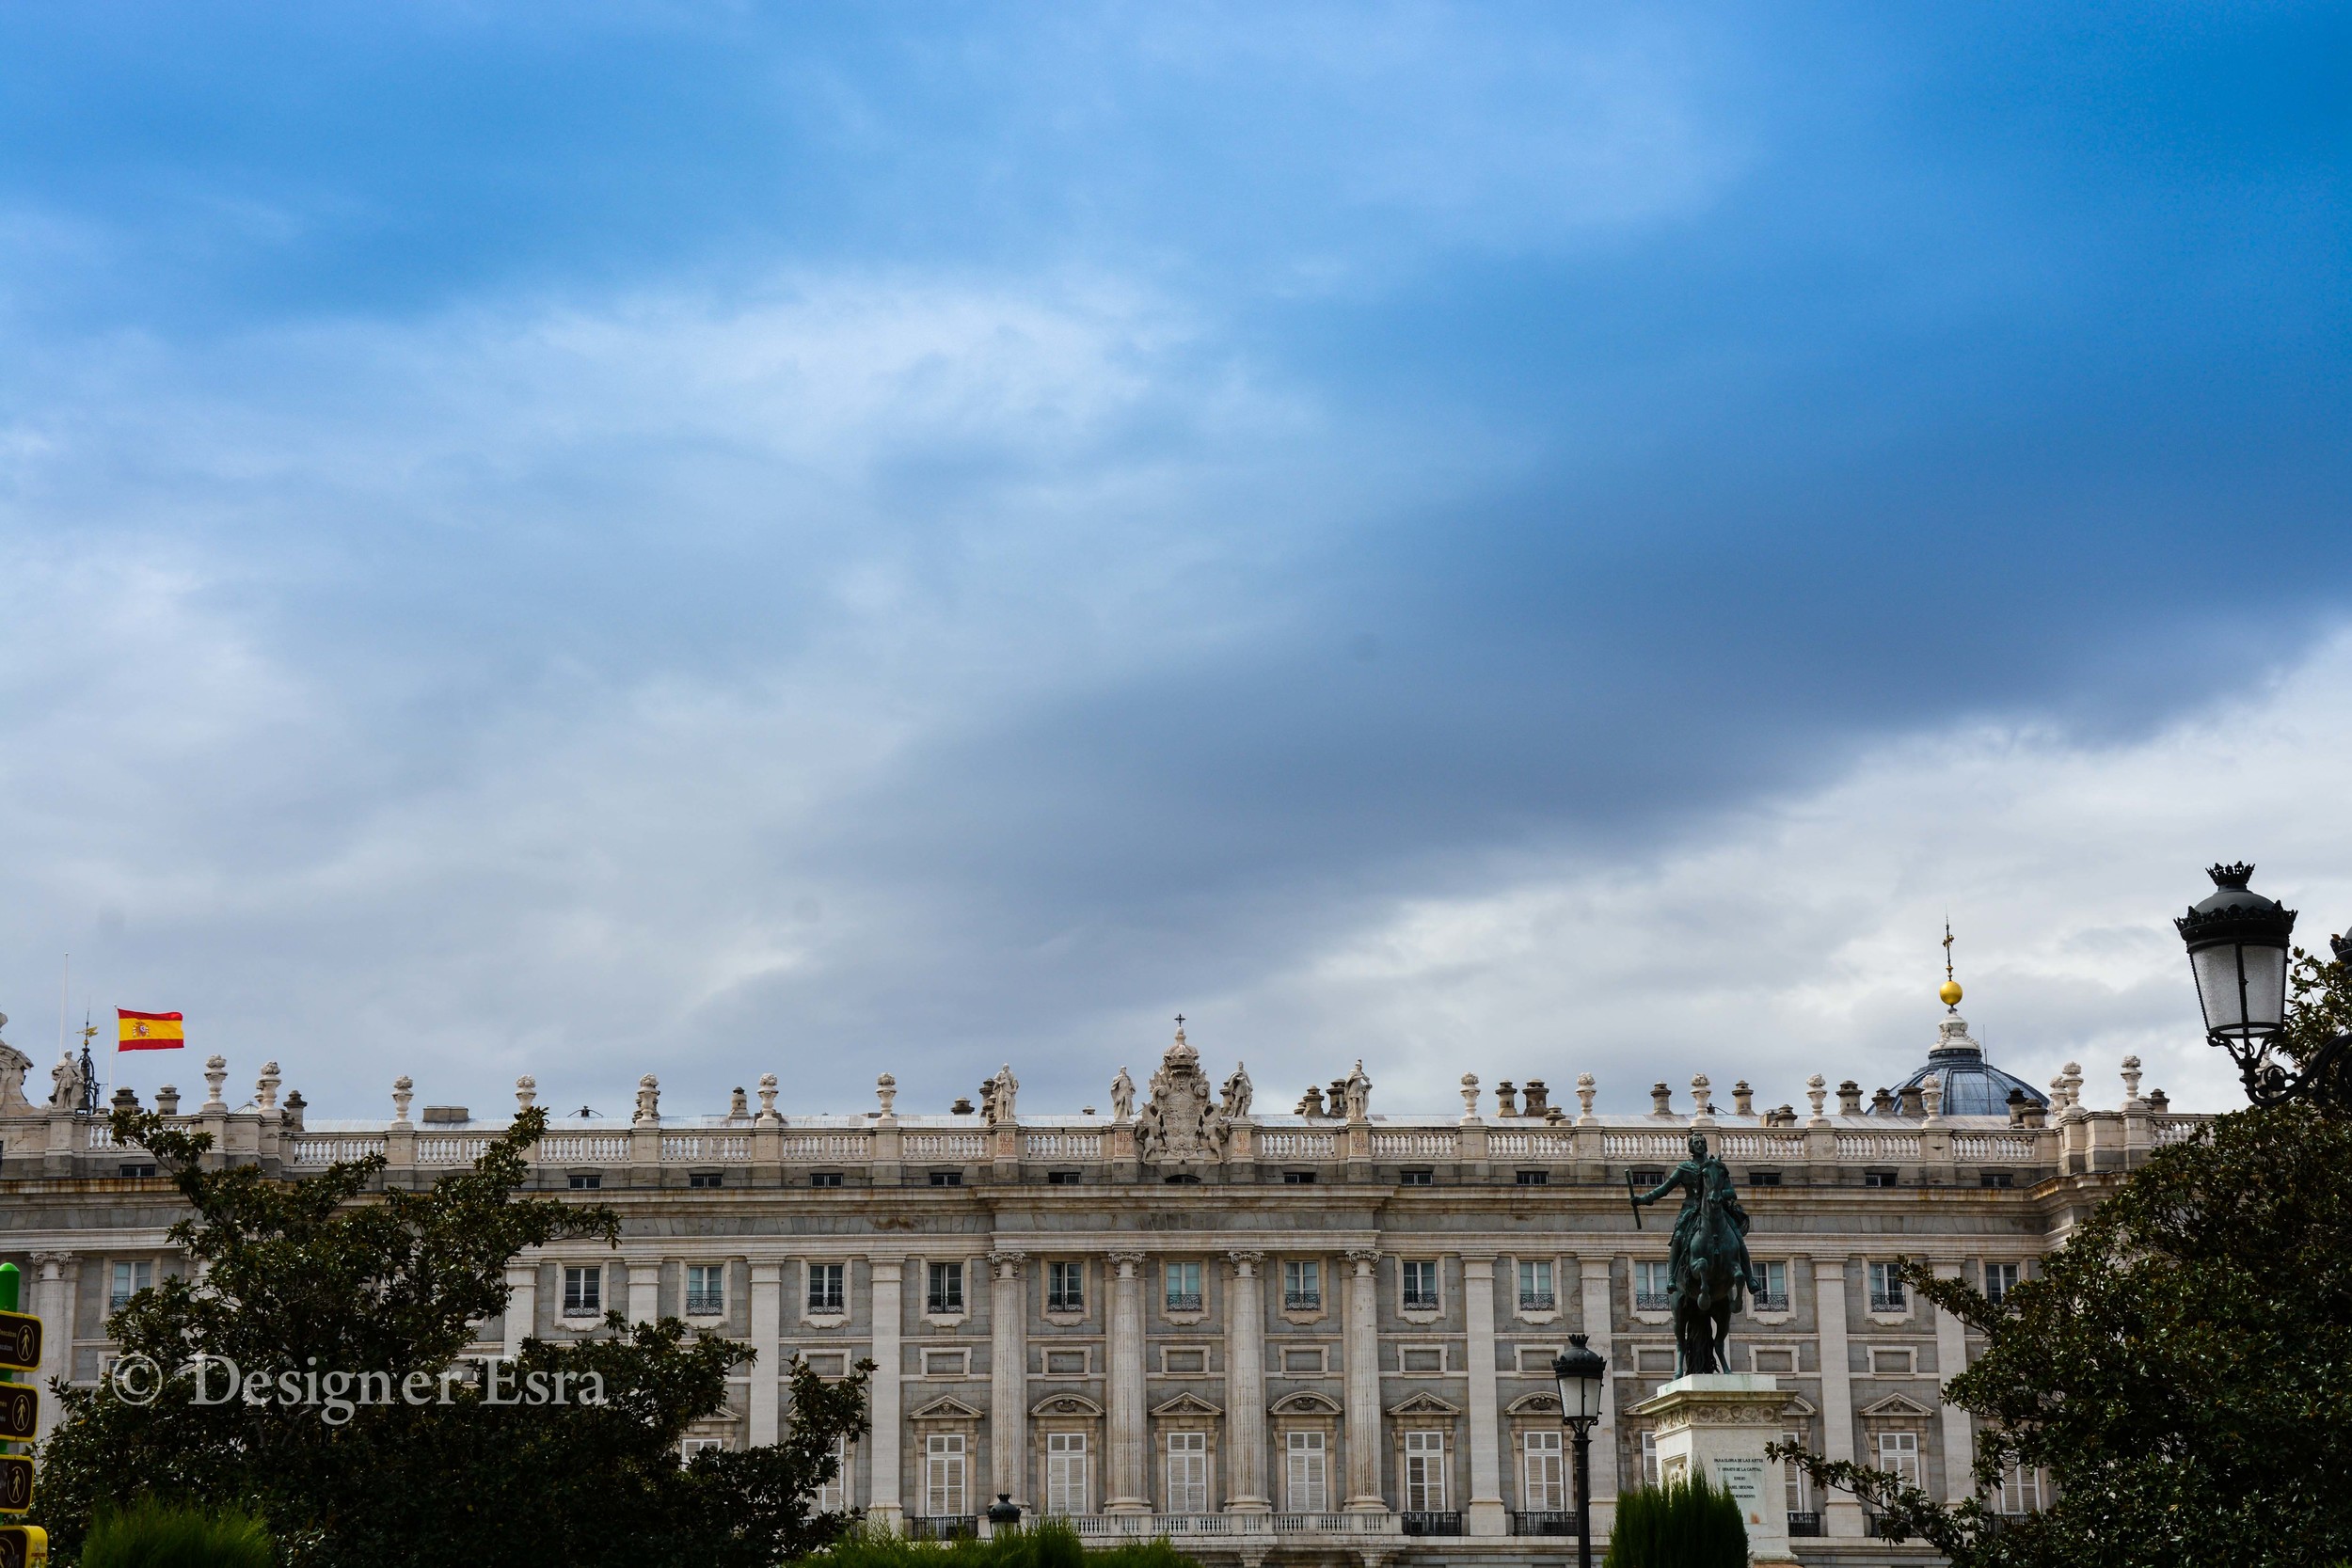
1949,990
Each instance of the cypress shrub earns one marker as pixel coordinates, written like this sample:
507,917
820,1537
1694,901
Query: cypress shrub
153,1533
1684,1523
1047,1544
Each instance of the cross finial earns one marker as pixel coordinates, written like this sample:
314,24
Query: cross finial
1180,1020
1948,947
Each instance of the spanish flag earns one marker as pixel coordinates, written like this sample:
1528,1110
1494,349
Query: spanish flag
149,1031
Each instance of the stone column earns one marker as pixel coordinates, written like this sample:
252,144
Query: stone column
1598,1319
766,1339
1363,1384
1951,1360
644,1289
1840,1513
522,1306
52,1302
881,1393
1008,1378
1486,1515
1129,1489
1244,1387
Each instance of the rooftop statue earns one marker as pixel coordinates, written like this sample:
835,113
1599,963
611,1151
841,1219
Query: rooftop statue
1707,1261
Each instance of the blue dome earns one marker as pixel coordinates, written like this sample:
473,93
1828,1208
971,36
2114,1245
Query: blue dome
1972,1086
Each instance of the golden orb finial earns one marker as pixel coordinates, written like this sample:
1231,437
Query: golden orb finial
1949,991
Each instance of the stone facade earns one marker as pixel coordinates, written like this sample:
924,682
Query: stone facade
1315,1335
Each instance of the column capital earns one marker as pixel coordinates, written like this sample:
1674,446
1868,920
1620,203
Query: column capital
49,1263
1362,1256
1245,1261
767,1273
1007,1263
1125,1261
887,1270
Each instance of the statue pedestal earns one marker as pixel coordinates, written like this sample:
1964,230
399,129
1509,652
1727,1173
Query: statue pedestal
1717,1423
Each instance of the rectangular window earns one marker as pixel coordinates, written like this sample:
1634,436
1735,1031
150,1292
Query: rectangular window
1420,1358
1995,1179
1649,1459
1794,1479
586,1180
1064,1473
1999,1281
1421,1284
1763,1178
1424,1472
824,1179
946,1296
1546,1488
1535,1294
2021,1490
833,1496
1645,1179
688,1448
1062,1179
1886,1289
137,1171
1298,1179
943,1474
1653,1286
824,1287
947,1178
705,1178
1304,1474
1184,1286
1065,1287
129,1280
1534,1179
1302,1286
1187,1472
1774,1296
1303,1363
1898,1451
705,1289
583,1291
1417,1179
1878,1178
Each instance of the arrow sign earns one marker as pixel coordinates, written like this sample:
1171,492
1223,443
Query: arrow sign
20,1411
16,1482
19,1342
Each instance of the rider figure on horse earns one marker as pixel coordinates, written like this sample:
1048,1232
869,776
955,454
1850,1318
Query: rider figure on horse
1712,1229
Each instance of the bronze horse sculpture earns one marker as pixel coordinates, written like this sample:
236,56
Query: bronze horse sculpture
1709,1265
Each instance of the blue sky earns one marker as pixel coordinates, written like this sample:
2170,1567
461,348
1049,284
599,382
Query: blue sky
722,539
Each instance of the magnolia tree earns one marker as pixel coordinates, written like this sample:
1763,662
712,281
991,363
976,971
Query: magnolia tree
2182,1367
310,1370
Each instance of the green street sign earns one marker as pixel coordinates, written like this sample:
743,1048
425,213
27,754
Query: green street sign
16,1482
20,1411
23,1546
19,1342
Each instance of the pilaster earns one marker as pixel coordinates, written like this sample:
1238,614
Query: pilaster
1363,1384
1486,1515
767,1340
1245,1386
883,1392
1951,1360
522,1306
1840,1513
1129,1488
1007,1377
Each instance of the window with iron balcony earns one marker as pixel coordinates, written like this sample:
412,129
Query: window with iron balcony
1421,1284
1535,1292
1653,1286
1887,1293
945,1293
1184,1287
824,1287
1302,1286
1774,1297
1065,1287
705,1289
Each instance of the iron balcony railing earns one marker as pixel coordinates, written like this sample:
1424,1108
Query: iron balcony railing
1803,1522
1888,1300
1535,1301
1179,1301
941,1527
1430,1524
1547,1523
1302,1301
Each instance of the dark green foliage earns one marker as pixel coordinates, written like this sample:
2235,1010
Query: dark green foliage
152,1533
1048,1543
327,1276
2179,1368
1683,1523
2319,1006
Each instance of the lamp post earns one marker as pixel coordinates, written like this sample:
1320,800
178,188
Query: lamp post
2238,945
1582,1375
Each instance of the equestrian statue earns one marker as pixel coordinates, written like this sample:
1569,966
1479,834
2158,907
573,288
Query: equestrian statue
1709,1263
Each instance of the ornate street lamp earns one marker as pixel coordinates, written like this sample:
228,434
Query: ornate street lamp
1582,1377
2238,945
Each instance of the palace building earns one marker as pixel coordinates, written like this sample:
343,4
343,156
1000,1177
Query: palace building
1319,1335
